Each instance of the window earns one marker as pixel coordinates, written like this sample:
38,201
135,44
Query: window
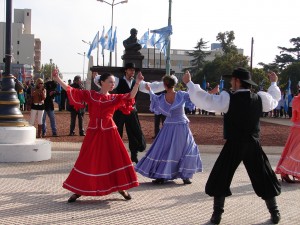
18,53
27,13
18,42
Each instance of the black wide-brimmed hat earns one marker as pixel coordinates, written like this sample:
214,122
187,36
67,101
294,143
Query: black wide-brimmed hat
242,74
129,66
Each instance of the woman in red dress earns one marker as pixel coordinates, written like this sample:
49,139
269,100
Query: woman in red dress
103,165
289,163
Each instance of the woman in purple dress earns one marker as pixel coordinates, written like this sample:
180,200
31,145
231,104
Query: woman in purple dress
174,153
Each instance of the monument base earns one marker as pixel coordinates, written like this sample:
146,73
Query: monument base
19,144
137,59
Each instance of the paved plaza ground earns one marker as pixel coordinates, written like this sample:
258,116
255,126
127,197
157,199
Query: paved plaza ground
31,193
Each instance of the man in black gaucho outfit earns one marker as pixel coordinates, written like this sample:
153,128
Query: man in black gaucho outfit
136,139
242,110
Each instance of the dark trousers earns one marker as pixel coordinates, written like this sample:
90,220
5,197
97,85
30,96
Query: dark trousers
263,178
157,120
135,135
80,115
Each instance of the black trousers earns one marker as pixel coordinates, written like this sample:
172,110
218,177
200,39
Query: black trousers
263,178
136,139
80,115
160,118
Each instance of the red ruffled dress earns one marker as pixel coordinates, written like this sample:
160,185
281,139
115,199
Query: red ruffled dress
289,162
103,165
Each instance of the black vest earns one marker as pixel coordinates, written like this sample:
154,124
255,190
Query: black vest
241,122
123,87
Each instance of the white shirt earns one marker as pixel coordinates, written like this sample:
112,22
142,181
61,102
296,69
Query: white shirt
220,103
156,86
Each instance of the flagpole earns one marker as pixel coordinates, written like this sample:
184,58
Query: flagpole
98,50
168,64
252,42
115,54
148,59
154,66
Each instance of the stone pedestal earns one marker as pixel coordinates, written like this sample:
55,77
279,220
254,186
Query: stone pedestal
133,57
19,144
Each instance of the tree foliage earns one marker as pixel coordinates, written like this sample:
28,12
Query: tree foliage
224,63
199,55
291,72
226,39
47,69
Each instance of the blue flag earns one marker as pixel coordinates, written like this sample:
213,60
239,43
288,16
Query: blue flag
288,96
204,83
152,40
93,45
144,39
164,37
221,87
20,76
102,40
107,39
114,41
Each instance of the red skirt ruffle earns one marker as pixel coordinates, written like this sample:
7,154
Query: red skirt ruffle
103,165
289,162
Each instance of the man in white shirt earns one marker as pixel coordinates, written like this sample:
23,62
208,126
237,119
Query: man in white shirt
241,130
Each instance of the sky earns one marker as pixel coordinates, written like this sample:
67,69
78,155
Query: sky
63,24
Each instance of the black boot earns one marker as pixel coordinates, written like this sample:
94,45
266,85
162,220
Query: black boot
134,156
218,210
273,209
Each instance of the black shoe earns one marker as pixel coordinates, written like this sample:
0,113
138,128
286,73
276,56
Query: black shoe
125,194
159,181
134,159
72,134
216,218
186,181
73,198
55,135
273,209
82,134
275,217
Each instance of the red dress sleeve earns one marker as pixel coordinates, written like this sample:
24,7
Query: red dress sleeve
125,103
77,97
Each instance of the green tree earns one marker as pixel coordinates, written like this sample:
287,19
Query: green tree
260,77
288,55
290,72
46,70
226,39
224,64
199,55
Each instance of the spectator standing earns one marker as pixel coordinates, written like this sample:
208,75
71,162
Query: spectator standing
49,108
38,95
77,113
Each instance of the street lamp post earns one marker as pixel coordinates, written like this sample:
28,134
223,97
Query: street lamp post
168,64
112,20
83,67
10,114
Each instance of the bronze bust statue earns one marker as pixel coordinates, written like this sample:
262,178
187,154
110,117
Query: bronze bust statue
131,44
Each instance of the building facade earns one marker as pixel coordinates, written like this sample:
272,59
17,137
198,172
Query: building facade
179,58
26,49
